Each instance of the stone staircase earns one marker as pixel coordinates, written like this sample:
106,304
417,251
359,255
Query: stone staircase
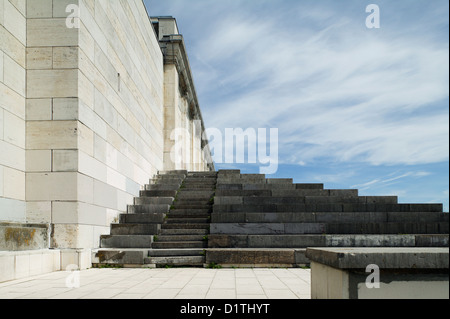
270,222
168,224
231,219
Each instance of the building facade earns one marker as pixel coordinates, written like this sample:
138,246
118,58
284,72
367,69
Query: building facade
95,99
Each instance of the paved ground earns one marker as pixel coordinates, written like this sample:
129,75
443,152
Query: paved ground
172,283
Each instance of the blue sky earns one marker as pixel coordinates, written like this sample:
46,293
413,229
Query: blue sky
355,107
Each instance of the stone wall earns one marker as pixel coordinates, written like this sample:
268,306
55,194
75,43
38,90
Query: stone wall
83,114
12,110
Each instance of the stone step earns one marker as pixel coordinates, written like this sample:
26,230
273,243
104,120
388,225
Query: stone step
176,252
333,217
190,220
172,172
257,257
198,187
158,193
184,231
327,208
148,209
186,213
179,244
304,241
115,256
156,218
185,226
179,238
162,186
329,228
135,229
189,204
177,261
195,194
153,200
126,241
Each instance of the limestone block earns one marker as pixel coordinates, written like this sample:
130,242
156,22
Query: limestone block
85,189
39,58
59,8
39,9
65,57
13,183
12,47
7,261
12,210
1,181
1,66
72,236
85,139
12,101
52,83
15,22
39,109
105,195
1,124
85,90
20,5
14,130
12,156
64,161
91,167
38,160
50,33
14,75
65,109
52,135
51,186
39,212
2,19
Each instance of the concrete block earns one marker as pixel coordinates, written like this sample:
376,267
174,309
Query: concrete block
279,181
153,200
308,186
255,257
227,241
39,58
39,9
432,240
39,110
52,83
383,257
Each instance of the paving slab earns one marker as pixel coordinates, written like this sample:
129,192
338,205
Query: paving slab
172,283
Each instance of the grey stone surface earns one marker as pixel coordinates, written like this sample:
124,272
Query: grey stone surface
19,237
135,229
119,256
384,257
148,209
153,200
152,218
126,241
